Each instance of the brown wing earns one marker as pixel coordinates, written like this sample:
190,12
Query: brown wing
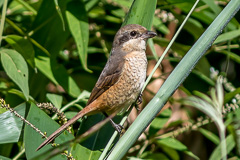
109,75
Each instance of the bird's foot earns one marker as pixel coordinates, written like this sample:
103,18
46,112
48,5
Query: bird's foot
117,127
139,99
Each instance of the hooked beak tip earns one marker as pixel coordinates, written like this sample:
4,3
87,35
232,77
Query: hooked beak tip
149,34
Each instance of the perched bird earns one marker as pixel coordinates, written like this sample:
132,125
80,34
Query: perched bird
122,78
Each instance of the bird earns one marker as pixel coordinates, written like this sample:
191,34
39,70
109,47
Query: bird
120,82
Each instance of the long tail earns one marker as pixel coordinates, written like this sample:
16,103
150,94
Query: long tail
63,127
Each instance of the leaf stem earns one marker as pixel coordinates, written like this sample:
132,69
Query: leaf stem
4,10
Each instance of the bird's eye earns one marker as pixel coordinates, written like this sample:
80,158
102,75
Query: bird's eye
133,33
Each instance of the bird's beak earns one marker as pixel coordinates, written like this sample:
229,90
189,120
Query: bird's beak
148,34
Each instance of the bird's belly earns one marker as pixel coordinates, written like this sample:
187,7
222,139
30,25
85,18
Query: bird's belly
121,95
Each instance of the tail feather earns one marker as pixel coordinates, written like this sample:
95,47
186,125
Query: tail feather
61,129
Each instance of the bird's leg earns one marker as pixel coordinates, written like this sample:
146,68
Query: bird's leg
117,127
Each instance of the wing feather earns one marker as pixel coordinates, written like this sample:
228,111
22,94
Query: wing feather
109,76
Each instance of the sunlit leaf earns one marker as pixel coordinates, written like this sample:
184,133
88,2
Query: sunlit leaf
210,135
157,124
58,75
55,99
32,139
172,143
23,46
11,125
214,7
141,12
1,157
189,153
78,24
16,68
227,36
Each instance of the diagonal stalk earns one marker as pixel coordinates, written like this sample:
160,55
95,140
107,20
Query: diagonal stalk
174,80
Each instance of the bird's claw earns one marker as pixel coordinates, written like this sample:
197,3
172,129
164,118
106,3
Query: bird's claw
139,99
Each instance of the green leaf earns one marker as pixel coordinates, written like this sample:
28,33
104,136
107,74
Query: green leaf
203,77
155,156
179,48
58,75
216,154
203,96
78,25
227,36
166,113
23,46
80,152
32,139
1,3
134,158
59,13
191,155
157,124
118,13
172,153
172,143
214,7
16,68
209,135
1,157
193,26
231,55
55,99
46,29
11,125
229,96
90,4
141,12
151,46
97,141
71,114
20,94
160,26
24,5
126,4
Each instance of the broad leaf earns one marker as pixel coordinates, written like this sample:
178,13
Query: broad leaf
141,12
78,25
16,68
83,153
32,139
55,99
172,143
11,125
58,75
1,157
23,46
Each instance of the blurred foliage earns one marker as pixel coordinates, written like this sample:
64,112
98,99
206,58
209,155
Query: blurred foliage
54,51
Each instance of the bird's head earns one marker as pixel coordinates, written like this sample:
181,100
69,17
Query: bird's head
132,37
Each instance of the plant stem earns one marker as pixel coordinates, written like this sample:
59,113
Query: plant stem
19,154
169,45
4,10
